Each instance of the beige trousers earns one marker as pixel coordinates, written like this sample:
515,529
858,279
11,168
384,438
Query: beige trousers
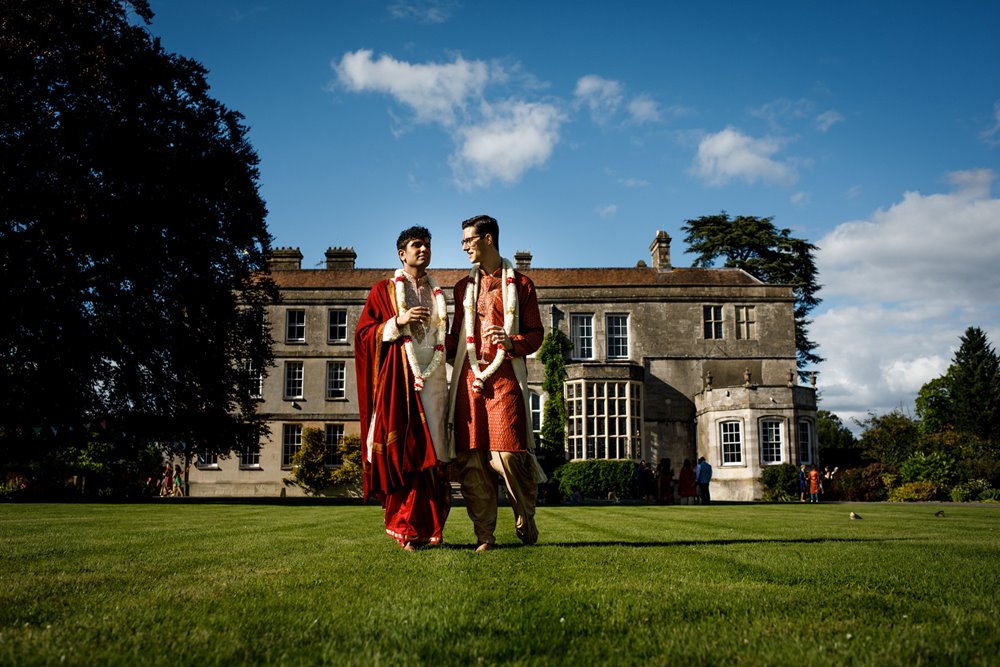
479,472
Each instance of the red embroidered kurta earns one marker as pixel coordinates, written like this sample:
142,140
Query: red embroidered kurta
501,396
402,472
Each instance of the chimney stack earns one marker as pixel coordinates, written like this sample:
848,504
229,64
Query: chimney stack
285,259
522,260
340,258
660,249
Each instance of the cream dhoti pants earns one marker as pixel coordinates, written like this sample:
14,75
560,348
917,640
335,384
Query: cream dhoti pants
478,472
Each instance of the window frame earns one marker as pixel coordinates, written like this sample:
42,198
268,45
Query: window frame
768,446
599,424
330,390
250,458
536,403
291,442
712,315
290,336
746,322
332,459
726,443
808,432
330,338
618,337
286,389
576,322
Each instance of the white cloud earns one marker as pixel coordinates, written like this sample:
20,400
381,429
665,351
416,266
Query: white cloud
729,155
423,11
853,192
602,96
992,135
800,198
916,275
634,182
608,211
643,109
828,119
782,111
494,141
435,92
514,137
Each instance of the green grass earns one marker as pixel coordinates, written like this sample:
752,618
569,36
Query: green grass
207,584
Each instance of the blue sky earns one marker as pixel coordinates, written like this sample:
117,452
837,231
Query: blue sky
869,128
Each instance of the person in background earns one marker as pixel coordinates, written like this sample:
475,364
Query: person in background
704,478
687,484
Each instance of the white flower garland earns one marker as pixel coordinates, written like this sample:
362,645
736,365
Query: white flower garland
508,293
442,324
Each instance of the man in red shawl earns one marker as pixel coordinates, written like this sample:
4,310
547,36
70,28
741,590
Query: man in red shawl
399,348
496,325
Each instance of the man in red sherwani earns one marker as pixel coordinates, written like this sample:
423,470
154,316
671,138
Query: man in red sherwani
399,348
496,325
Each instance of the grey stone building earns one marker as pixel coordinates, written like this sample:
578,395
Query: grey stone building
667,363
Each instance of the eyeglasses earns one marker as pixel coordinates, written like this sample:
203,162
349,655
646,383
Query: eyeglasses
466,242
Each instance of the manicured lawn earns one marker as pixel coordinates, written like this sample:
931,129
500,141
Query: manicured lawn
203,584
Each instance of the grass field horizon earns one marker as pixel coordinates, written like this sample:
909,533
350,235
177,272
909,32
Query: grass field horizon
300,584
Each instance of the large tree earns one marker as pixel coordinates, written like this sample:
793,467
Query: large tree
770,254
973,386
132,240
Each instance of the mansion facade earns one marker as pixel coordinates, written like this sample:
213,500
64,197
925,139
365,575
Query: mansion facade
667,363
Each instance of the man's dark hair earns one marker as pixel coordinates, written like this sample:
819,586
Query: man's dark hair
411,233
484,225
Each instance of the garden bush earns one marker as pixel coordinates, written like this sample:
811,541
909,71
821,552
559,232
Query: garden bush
866,484
914,492
937,467
595,479
970,491
781,483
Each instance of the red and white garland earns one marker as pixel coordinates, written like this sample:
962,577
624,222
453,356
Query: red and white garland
441,311
508,293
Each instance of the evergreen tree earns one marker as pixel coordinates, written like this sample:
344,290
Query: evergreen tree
973,387
132,241
769,254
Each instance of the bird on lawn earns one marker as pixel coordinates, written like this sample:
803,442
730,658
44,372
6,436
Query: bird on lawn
939,513
855,515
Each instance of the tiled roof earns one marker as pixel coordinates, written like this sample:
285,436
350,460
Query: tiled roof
583,277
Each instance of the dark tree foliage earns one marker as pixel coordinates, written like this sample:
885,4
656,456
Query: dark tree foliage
132,240
889,439
973,387
837,445
769,254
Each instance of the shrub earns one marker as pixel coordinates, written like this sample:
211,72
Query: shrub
970,491
595,479
349,476
937,467
990,496
866,484
914,492
309,463
781,483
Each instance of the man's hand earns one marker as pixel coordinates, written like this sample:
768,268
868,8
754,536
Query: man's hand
415,314
496,335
